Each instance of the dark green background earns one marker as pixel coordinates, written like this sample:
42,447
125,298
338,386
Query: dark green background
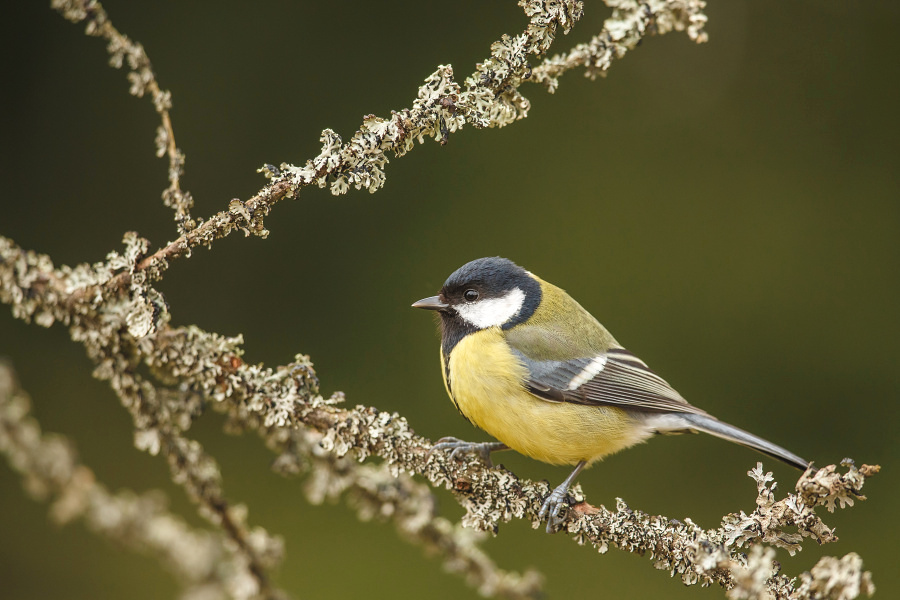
730,211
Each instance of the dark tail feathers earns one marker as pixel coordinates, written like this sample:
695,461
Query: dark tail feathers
731,433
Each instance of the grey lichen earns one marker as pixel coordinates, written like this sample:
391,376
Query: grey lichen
123,51
490,97
630,23
837,578
114,311
190,365
751,580
204,562
312,432
383,493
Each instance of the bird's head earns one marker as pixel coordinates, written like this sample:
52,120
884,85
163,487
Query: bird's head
484,293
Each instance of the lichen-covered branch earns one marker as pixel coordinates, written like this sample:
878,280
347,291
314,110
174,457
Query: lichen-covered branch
278,402
380,492
123,50
194,469
489,97
203,562
493,496
134,327
630,23
113,310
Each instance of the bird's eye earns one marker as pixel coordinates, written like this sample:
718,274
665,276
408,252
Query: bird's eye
470,295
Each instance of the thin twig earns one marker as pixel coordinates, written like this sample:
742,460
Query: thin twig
123,50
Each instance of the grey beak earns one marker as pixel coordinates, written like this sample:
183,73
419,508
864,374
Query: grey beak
432,303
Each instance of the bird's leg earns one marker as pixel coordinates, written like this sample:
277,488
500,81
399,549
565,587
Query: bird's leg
557,499
459,447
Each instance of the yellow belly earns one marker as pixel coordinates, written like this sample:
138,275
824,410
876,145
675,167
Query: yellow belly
486,383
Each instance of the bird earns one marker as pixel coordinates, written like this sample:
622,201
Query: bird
525,362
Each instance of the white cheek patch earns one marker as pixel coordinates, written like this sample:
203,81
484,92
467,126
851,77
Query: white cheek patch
589,371
492,312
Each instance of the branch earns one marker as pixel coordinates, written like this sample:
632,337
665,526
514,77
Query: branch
630,23
489,97
252,396
203,562
124,323
382,492
123,50
195,470
135,326
278,402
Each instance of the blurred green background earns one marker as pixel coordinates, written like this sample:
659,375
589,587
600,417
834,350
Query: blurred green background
731,211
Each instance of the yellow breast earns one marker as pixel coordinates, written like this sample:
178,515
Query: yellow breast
486,382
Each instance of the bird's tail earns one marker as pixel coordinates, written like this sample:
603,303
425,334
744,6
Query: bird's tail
731,433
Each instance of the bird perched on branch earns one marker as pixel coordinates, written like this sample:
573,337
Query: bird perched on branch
525,362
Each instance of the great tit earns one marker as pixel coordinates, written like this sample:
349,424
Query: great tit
522,360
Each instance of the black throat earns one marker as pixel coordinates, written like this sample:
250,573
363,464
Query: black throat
454,328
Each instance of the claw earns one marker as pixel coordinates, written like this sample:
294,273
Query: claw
552,506
555,502
458,448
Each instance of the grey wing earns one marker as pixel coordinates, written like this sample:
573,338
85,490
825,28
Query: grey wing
613,378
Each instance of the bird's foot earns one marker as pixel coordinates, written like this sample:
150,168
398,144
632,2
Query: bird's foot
458,447
553,504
